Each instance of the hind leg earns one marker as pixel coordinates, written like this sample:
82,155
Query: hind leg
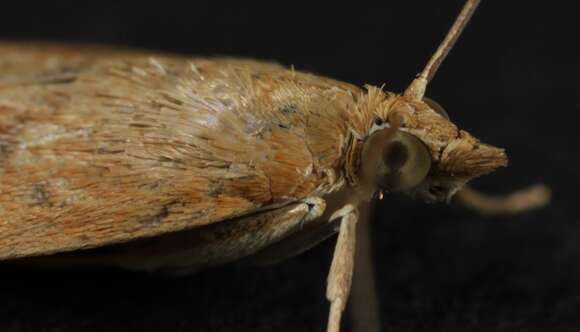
364,304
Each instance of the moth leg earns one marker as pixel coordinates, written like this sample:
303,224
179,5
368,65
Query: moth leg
364,305
341,269
523,200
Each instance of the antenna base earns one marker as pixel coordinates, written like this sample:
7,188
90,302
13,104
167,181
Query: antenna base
416,89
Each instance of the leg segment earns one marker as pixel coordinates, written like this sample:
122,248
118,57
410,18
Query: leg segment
341,269
523,200
364,305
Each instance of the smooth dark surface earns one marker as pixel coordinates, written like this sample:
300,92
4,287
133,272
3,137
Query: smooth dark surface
512,81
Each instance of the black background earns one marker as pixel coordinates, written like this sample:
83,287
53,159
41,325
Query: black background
512,81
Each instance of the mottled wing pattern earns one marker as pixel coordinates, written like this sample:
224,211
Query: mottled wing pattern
116,146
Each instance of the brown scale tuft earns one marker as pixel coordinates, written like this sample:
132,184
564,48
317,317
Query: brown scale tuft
466,157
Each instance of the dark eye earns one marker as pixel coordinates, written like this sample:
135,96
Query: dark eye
395,155
395,161
436,107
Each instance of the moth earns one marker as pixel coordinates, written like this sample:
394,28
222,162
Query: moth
162,162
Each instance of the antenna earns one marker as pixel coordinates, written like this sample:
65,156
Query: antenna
416,89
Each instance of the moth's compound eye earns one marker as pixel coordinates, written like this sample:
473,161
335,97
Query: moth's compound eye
436,107
395,161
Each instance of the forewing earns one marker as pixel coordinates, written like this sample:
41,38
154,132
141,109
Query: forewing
128,146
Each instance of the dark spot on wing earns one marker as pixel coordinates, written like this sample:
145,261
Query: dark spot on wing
284,126
139,125
3,152
172,99
62,78
158,217
216,188
40,196
290,108
165,159
105,150
84,238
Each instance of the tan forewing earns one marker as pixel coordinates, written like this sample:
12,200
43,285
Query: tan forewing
108,147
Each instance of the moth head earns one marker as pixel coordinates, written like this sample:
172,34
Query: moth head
419,150
415,148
